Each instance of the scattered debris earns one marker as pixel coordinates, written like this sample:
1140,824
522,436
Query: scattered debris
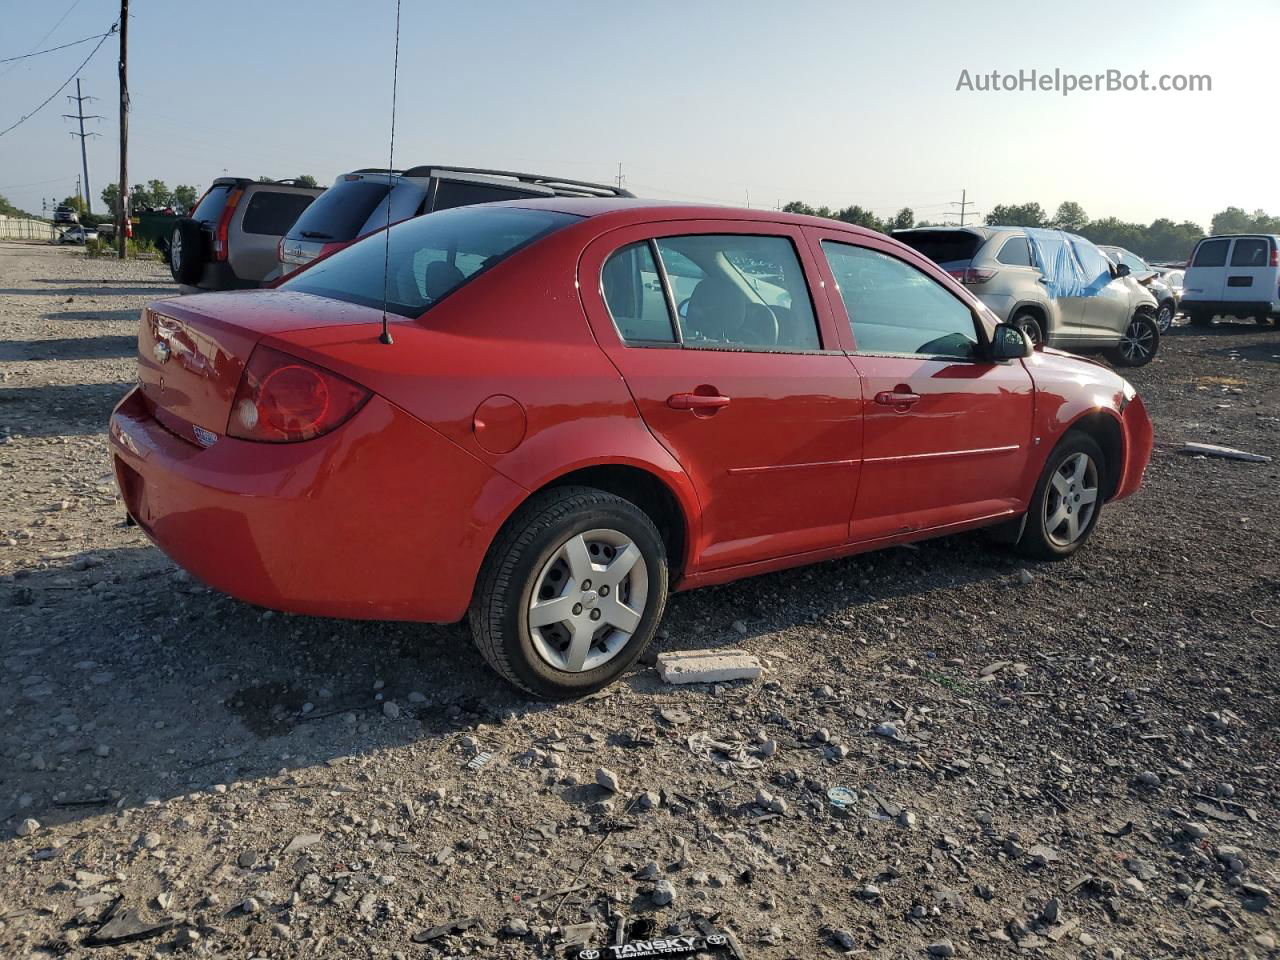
1226,453
708,666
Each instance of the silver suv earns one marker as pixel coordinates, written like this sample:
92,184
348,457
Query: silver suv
231,241
1059,288
363,201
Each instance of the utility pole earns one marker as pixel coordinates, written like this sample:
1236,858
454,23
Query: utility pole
122,219
964,205
84,155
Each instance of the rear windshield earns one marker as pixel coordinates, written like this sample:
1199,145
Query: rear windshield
945,248
340,211
429,257
1211,253
459,193
210,207
274,213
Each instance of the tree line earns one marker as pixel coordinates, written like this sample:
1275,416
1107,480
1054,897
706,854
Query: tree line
1162,239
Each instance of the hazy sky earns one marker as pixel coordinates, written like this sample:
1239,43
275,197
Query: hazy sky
829,102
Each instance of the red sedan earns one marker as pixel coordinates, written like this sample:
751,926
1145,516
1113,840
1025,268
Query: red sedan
587,403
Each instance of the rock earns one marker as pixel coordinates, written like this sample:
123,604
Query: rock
607,779
822,735
943,948
767,801
650,871
1226,790
843,939
250,906
27,827
907,820
302,841
416,696
1025,576
515,927
663,893
1195,829
1149,778
186,937
391,710
1051,911
768,748
247,859
149,840
708,666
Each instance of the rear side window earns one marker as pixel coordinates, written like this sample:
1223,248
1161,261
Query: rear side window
340,212
459,193
740,292
633,292
211,204
1211,253
1016,252
274,213
429,257
1250,252
946,248
896,309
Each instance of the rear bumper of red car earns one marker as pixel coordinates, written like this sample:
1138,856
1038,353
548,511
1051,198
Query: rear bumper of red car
381,519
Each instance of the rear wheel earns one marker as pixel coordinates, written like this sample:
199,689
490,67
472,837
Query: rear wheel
571,592
187,251
1200,318
1031,327
1067,500
1139,342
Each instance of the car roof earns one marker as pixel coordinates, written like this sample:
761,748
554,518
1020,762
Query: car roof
621,210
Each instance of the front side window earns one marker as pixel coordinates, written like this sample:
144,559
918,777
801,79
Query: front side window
896,309
739,291
1134,264
1211,253
429,257
1250,252
633,292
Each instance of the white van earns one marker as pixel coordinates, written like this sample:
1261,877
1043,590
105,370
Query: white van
1233,276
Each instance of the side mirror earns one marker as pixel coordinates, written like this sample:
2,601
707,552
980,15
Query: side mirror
1009,343
1122,270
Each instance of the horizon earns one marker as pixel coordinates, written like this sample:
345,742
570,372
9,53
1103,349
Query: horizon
694,113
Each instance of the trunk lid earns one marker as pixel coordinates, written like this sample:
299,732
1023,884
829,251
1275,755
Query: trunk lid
193,350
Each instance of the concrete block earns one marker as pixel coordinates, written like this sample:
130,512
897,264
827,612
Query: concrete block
708,666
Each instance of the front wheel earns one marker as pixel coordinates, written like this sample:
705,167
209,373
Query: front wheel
1139,342
1067,500
571,592
1164,316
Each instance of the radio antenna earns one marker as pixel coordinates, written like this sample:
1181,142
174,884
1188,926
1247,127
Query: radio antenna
391,163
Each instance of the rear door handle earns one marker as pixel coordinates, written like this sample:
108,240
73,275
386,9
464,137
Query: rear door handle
696,401
900,398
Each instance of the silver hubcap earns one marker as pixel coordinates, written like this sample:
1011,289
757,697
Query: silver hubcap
1073,496
1136,342
1165,317
175,250
587,600
1031,329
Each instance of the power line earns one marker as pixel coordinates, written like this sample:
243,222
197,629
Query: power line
24,119
54,49
48,33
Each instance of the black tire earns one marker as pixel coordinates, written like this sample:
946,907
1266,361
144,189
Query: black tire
188,251
530,539
1200,318
1139,343
1039,542
1165,314
1031,326
1264,319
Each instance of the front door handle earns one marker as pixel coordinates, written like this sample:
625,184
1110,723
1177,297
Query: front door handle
696,401
900,398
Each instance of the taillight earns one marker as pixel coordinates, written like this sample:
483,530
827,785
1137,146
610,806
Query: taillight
282,399
224,221
280,250
973,274
1275,256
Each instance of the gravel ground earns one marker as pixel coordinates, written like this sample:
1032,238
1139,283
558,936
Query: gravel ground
1062,760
